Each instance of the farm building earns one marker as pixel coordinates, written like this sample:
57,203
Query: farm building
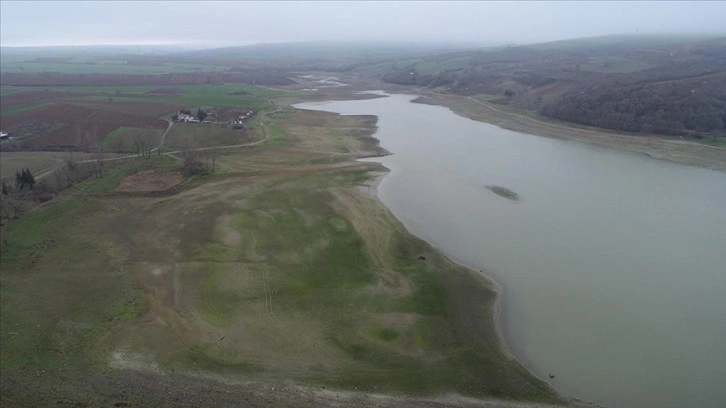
240,119
183,117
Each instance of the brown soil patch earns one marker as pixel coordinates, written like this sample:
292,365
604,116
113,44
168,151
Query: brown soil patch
148,181
20,98
141,109
78,124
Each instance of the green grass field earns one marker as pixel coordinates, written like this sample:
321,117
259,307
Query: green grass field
189,95
122,139
21,107
713,141
63,324
185,135
224,95
9,90
109,67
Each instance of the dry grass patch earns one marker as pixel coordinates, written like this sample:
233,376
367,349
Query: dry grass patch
149,181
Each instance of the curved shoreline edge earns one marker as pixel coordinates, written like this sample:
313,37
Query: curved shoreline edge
505,343
498,314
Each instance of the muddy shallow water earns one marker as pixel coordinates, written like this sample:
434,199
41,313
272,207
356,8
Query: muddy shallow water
612,264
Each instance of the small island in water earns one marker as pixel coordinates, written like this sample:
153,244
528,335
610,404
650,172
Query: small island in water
503,192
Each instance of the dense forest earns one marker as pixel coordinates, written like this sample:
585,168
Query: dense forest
686,107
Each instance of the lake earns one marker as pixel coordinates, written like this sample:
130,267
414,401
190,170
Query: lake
612,264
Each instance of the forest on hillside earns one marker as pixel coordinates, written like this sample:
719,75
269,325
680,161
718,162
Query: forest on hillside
668,87
688,107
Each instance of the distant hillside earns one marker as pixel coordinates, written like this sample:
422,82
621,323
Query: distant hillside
188,78
649,84
672,85
303,56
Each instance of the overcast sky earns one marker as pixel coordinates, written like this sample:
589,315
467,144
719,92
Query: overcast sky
228,23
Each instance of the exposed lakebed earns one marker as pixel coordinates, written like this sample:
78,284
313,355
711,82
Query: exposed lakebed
613,268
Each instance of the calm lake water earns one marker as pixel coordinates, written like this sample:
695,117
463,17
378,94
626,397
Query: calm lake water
613,265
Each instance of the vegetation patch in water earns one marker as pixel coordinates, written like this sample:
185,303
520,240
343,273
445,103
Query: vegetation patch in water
504,192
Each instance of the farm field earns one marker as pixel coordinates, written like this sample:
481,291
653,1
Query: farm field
83,118
279,267
125,139
189,135
37,162
102,67
223,95
66,125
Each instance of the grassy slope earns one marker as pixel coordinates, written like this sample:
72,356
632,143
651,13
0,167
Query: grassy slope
125,136
280,267
200,135
61,291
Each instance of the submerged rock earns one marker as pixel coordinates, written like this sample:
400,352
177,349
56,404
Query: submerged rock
503,192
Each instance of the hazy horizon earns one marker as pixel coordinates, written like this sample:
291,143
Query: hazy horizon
211,24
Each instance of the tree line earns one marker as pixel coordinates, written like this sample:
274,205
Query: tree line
679,108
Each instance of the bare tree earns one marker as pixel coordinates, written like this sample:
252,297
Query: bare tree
193,163
117,145
138,143
214,155
142,143
10,204
71,171
148,136
99,160
58,176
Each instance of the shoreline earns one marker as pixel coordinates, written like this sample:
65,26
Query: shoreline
658,148
505,343
498,314
498,309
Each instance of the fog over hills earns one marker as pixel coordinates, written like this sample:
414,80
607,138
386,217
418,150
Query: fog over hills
235,23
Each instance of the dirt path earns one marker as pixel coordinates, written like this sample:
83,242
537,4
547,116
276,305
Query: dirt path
162,140
265,138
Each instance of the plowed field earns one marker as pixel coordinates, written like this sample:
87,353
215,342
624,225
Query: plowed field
63,125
